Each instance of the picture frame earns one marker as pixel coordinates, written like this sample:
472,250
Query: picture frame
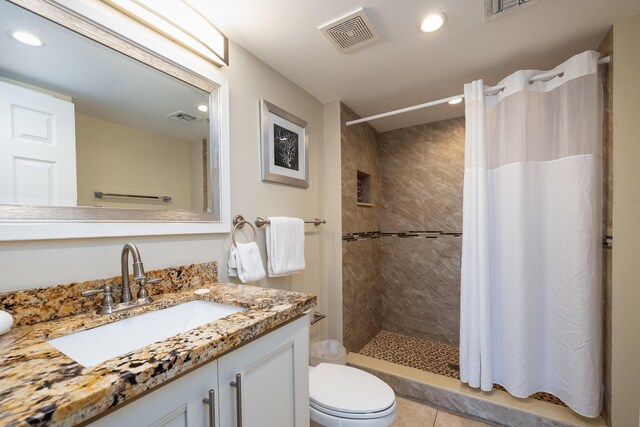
283,146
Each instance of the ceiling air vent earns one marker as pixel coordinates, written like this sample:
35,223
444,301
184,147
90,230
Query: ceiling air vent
496,8
183,117
351,32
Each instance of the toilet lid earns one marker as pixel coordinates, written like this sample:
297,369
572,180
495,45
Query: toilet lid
348,390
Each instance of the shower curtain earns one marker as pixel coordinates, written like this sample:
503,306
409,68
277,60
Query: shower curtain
531,250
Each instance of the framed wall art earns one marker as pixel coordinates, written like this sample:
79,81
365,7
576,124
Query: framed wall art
283,146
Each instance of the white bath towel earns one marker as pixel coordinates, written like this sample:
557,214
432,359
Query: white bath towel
285,246
248,262
6,321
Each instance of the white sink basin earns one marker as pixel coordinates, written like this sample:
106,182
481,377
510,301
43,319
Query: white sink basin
96,345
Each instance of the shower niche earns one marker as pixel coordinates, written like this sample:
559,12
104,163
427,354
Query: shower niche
364,189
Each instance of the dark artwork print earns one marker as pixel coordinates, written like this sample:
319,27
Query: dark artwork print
285,148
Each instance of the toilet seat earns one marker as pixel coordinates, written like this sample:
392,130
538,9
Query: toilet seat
354,416
349,393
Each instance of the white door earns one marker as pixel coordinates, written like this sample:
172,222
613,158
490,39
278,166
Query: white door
274,378
37,148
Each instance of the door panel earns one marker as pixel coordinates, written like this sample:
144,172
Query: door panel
37,148
268,390
274,372
32,125
34,181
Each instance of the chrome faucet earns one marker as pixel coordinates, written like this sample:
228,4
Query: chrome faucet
108,306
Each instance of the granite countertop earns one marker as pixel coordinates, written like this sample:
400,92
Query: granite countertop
41,386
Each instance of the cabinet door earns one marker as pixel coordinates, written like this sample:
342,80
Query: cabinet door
274,375
176,404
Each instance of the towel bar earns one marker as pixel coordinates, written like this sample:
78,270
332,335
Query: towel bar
100,195
317,317
316,221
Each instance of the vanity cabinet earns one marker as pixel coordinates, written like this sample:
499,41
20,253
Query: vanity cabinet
176,404
270,377
273,373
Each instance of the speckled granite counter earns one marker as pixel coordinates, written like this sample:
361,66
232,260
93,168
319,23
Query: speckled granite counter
40,386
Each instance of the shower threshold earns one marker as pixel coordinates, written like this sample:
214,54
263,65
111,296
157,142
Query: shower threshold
399,360
427,355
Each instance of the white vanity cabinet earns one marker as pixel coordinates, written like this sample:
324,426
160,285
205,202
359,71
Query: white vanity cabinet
176,404
273,375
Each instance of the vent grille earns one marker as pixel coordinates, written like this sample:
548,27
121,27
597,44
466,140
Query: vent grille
497,8
351,32
183,117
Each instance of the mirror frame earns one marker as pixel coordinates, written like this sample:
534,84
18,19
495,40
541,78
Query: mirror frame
24,222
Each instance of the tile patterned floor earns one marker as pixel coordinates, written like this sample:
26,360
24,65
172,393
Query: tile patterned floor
431,356
416,414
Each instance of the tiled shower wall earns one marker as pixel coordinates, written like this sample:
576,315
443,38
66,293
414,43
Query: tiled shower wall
421,170
402,281
361,295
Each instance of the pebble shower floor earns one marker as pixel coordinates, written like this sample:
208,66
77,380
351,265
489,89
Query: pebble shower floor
431,356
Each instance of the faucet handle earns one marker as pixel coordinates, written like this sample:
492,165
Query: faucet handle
107,300
143,295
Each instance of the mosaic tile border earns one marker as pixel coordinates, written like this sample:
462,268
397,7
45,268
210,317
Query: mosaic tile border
350,237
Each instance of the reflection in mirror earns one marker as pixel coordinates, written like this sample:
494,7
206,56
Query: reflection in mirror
84,125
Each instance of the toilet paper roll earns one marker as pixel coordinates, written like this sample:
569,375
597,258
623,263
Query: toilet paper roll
6,321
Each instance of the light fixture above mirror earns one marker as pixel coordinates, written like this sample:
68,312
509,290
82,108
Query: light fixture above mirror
180,22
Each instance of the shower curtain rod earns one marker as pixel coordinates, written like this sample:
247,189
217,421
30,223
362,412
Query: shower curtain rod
489,90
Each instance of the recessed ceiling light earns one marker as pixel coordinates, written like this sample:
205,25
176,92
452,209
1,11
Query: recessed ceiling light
455,101
203,108
432,22
26,38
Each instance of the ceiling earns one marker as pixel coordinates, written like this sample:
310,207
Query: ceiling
407,67
101,82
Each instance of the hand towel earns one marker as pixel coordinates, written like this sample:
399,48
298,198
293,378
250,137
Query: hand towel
249,262
6,321
232,263
285,246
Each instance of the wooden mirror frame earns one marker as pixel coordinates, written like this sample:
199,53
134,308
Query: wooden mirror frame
23,222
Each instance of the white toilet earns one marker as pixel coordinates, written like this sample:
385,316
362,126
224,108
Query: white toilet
342,396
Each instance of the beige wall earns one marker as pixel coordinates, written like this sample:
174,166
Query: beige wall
625,381
196,168
332,212
114,158
250,80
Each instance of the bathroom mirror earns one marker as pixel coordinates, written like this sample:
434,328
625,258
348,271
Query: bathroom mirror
96,128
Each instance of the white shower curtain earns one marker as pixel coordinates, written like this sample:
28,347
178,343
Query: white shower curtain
531,250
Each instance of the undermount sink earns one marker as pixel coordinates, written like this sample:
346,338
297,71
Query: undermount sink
96,345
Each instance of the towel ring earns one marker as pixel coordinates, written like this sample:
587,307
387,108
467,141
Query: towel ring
239,223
